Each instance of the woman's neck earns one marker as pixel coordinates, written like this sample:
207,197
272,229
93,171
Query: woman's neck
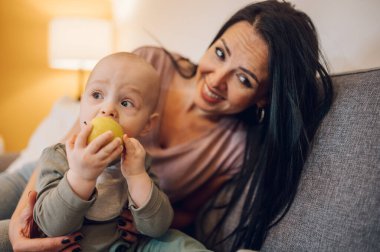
193,108
182,120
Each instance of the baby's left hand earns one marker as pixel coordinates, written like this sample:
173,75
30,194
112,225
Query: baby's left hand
133,157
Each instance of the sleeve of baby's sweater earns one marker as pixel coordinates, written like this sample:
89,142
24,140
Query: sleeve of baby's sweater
156,215
58,210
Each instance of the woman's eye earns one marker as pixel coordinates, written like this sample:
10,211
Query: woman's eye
244,80
219,53
96,95
127,104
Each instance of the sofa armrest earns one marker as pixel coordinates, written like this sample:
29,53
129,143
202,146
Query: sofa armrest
6,159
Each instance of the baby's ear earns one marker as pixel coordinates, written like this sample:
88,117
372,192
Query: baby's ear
152,122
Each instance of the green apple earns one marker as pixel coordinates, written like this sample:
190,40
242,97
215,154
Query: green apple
104,124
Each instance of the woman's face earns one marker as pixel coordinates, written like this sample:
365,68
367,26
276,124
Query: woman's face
232,74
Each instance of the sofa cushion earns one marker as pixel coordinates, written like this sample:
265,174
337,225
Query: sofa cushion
337,207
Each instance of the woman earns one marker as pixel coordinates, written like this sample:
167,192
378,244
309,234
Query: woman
245,115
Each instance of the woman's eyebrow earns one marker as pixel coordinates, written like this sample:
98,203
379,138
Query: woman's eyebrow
250,74
241,68
225,45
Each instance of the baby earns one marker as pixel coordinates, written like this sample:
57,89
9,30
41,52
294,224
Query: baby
85,185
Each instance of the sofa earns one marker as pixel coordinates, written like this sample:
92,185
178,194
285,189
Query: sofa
337,206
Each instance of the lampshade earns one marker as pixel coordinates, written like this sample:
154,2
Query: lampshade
78,43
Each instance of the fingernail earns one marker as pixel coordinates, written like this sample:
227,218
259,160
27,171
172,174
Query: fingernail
77,250
78,238
29,193
65,241
121,222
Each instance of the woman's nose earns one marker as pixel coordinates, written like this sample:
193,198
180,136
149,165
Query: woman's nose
218,80
110,110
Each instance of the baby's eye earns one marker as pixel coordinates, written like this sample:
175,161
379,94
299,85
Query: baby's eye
127,103
219,53
244,80
96,95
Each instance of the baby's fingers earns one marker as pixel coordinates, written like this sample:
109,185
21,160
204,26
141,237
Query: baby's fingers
70,142
112,150
133,147
125,139
130,144
100,142
82,137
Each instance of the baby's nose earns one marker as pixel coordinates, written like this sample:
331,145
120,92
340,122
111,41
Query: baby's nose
110,110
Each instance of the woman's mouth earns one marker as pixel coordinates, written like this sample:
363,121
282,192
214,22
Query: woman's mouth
209,96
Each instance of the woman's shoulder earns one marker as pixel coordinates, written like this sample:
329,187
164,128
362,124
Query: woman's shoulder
153,54
156,56
148,50
160,57
155,51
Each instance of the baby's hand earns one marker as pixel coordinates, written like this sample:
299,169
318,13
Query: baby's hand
133,159
87,162
133,169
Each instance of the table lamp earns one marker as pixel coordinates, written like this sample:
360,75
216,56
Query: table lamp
78,44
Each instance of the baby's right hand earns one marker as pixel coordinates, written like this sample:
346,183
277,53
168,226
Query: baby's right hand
87,162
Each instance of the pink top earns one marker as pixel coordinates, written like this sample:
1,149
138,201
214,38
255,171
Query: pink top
183,168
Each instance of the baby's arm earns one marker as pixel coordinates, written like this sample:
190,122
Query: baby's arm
68,185
150,207
133,169
58,210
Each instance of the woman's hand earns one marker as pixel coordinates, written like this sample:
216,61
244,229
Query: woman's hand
127,229
23,229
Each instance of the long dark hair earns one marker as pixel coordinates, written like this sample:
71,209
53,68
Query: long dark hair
299,97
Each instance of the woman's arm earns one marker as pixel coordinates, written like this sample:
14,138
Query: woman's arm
21,225
22,220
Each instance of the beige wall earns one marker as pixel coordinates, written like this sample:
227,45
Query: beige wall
349,29
28,86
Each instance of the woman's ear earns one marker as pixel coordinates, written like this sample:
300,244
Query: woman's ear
152,122
263,102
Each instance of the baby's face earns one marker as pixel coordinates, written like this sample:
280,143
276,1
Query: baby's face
123,87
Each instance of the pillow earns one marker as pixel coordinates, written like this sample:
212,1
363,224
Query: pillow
52,129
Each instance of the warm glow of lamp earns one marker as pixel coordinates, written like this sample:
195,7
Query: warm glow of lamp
78,43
